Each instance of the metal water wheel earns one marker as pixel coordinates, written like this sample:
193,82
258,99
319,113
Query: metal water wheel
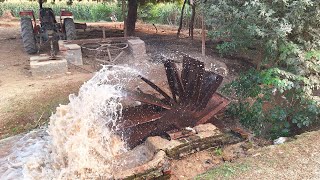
110,53
103,53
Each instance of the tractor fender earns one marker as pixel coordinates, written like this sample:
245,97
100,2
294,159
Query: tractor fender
26,13
30,13
65,13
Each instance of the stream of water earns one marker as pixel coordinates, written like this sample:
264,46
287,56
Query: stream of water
79,142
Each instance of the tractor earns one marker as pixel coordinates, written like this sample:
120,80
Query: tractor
34,35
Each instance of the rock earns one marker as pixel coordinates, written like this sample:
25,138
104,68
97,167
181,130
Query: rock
247,145
280,140
157,143
205,127
206,130
233,152
198,144
190,129
228,156
149,170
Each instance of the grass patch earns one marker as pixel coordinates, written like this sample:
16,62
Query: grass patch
26,114
227,170
218,152
33,114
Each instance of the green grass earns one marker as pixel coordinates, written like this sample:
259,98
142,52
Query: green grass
225,171
218,151
35,112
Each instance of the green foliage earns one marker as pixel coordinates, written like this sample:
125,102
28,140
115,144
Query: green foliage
218,151
161,13
87,11
100,12
265,25
165,13
272,102
286,35
227,170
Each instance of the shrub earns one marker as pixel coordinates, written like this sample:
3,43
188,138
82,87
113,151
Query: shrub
273,102
101,12
163,13
286,34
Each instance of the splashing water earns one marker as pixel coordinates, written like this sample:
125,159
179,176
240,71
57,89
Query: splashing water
79,142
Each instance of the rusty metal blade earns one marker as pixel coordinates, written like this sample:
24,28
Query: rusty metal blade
155,87
211,82
137,115
147,98
216,104
168,120
192,74
174,80
136,134
198,84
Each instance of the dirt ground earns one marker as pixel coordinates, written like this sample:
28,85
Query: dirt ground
28,101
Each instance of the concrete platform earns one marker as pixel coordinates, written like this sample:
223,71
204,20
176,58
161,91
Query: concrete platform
134,54
137,48
71,52
43,66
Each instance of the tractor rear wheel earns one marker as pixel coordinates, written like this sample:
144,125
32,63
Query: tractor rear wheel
28,38
69,29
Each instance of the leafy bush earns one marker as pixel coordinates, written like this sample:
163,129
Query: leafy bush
286,34
273,102
101,12
161,13
165,13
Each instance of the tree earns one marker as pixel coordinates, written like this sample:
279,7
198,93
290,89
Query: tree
285,34
193,5
193,15
131,17
181,18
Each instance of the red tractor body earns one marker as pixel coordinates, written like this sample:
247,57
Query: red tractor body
35,34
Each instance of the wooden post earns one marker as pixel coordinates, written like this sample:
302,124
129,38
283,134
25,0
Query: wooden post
104,32
203,33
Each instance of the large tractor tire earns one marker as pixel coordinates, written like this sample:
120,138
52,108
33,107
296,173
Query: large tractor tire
28,38
70,29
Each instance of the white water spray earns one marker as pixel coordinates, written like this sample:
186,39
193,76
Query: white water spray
81,143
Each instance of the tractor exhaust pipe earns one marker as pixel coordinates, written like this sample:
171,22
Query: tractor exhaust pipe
40,3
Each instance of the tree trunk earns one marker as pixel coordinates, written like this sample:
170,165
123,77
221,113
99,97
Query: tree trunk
181,18
193,14
132,17
124,18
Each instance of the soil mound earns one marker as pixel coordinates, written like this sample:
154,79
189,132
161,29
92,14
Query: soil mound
7,16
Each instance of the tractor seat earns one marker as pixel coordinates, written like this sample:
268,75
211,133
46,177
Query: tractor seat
47,16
